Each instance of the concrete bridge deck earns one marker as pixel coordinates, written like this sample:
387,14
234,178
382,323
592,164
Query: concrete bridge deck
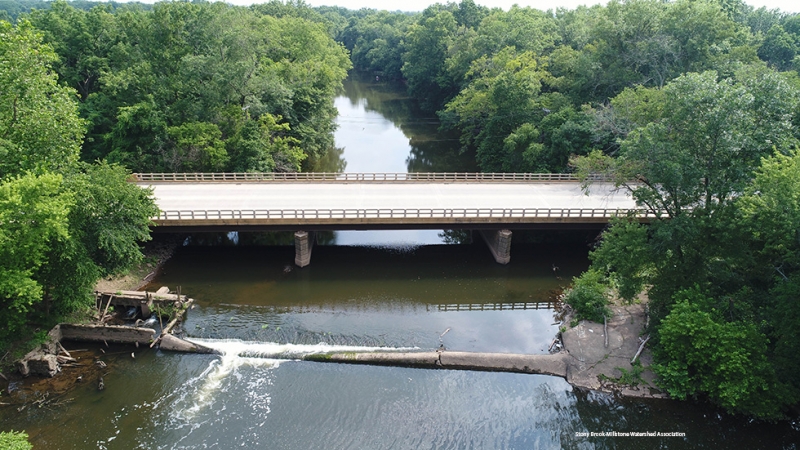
317,205
313,202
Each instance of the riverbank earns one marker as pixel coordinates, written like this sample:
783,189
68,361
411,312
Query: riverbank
156,252
596,363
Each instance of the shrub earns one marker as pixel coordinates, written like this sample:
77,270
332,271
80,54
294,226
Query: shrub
14,440
587,296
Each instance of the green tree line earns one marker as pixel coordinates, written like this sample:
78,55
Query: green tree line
527,89
197,87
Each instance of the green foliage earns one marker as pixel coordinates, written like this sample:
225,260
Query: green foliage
196,147
39,127
779,48
14,440
770,208
426,44
495,110
65,224
158,88
632,378
110,217
726,361
625,256
710,138
265,146
376,42
588,296
34,212
698,153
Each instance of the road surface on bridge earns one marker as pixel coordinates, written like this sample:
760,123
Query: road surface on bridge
362,196
316,205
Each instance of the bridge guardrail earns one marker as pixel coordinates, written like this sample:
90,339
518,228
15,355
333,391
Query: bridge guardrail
459,213
354,177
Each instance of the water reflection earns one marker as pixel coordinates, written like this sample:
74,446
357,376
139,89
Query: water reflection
332,162
382,130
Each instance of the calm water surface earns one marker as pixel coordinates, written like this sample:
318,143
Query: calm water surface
364,290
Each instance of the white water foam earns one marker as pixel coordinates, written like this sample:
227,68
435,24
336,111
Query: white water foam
235,353
246,350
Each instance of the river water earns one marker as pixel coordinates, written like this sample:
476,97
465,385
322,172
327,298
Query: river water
366,290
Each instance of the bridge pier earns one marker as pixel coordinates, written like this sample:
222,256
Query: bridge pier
499,242
303,244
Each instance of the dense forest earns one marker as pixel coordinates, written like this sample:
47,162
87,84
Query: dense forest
693,106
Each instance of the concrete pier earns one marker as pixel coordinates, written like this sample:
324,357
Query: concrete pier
499,242
303,245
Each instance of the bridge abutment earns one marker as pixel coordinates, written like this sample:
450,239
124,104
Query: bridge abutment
499,242
303,244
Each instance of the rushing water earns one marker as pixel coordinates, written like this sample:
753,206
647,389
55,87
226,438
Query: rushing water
363,291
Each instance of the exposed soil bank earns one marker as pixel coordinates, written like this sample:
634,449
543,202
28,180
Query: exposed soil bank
156,253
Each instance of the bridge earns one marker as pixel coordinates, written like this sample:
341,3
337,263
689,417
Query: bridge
492,203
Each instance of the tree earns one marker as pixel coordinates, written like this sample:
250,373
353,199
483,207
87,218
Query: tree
704,141
196,147
377,42
82,40
40,129
719,262
427,44
779,48
64,224
496,111
155,84
109,218
265,146
727,361
34,211
588,296
770,210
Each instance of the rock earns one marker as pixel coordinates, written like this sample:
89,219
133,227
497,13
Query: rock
39,364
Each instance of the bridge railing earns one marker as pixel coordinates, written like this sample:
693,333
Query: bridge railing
222,177
458,213
495,306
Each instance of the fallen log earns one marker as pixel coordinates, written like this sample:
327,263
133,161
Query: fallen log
641,347
171,324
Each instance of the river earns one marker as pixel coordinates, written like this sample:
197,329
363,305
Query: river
367,290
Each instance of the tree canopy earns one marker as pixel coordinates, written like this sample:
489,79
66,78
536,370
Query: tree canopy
172,89
64,223
715,159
